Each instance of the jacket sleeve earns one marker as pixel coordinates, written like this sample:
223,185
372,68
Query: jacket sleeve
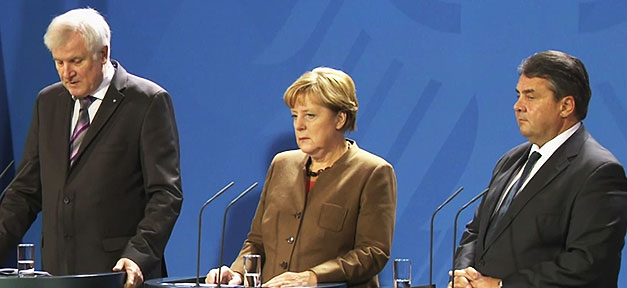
374,232
465,254
21,201
160,164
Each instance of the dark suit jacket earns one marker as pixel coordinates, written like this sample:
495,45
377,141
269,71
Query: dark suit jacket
566,228
123,194
341,229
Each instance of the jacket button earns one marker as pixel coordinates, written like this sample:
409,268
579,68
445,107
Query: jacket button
66,200
290,240
298,215
283,265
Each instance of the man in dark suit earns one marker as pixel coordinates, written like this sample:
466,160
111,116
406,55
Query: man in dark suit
555,213
101,162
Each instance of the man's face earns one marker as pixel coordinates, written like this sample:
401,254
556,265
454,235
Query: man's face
540,116
79,72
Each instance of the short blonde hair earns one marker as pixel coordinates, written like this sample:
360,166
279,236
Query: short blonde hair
331,87
87,22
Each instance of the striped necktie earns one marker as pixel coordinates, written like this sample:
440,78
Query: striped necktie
81,127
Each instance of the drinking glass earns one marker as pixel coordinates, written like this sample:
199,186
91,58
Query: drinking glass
25,260
402,273
252,270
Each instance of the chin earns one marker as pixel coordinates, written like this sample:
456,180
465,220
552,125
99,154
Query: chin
76,93
305,149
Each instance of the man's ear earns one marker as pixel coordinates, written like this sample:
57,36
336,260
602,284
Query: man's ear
103,54
567,106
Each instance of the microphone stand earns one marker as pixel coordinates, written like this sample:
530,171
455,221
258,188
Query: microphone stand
6,169
224,228
200,227
431,233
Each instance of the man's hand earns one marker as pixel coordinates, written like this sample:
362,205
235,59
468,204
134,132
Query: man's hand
291,279
134,276
227,275
471,278
462,279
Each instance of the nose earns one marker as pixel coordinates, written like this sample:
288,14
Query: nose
518,107
299,124
66,72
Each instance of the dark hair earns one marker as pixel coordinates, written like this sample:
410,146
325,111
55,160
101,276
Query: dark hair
566,75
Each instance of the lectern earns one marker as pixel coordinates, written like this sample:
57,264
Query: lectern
191,282
103,280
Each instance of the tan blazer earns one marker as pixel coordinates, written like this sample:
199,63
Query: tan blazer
341,230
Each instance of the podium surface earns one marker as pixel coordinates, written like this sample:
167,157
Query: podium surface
103,280
191,282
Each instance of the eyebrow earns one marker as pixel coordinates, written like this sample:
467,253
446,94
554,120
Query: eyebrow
526,91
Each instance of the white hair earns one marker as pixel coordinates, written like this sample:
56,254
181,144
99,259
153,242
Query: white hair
87,22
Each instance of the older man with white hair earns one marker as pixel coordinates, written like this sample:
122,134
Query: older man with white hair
101,162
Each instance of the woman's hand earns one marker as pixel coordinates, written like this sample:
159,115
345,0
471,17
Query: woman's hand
291,279
227,276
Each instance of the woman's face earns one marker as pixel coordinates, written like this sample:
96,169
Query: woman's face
317,128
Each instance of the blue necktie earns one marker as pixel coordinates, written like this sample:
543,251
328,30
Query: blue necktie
533,158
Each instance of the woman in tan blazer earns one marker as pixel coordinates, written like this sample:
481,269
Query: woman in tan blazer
327,210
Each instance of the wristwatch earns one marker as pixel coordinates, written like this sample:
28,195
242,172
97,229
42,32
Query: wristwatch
500,283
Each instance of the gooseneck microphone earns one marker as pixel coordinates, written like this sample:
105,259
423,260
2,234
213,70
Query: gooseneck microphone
455,229
200,227
449,199
4,172
226,210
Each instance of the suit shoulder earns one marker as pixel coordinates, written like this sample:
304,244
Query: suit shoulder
368,159
52,90
511,157
595,153
518,149
142,86
290,156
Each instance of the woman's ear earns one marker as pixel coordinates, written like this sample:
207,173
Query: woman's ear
340,120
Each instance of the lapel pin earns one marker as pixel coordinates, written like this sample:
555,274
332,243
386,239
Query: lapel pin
115,100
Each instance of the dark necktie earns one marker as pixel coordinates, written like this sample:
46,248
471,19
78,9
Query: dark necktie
533,158
81,127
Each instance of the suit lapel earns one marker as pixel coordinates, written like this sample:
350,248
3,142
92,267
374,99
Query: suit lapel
557,163
111,101
500,183
66,108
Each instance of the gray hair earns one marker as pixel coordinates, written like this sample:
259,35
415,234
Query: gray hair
87,22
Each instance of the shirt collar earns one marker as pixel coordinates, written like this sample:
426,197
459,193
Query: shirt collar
550,147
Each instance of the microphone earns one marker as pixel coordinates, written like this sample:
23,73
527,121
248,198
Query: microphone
4,172
202,208
455,229
431,235
224,227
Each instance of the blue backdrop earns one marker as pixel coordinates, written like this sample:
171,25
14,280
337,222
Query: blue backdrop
435,82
